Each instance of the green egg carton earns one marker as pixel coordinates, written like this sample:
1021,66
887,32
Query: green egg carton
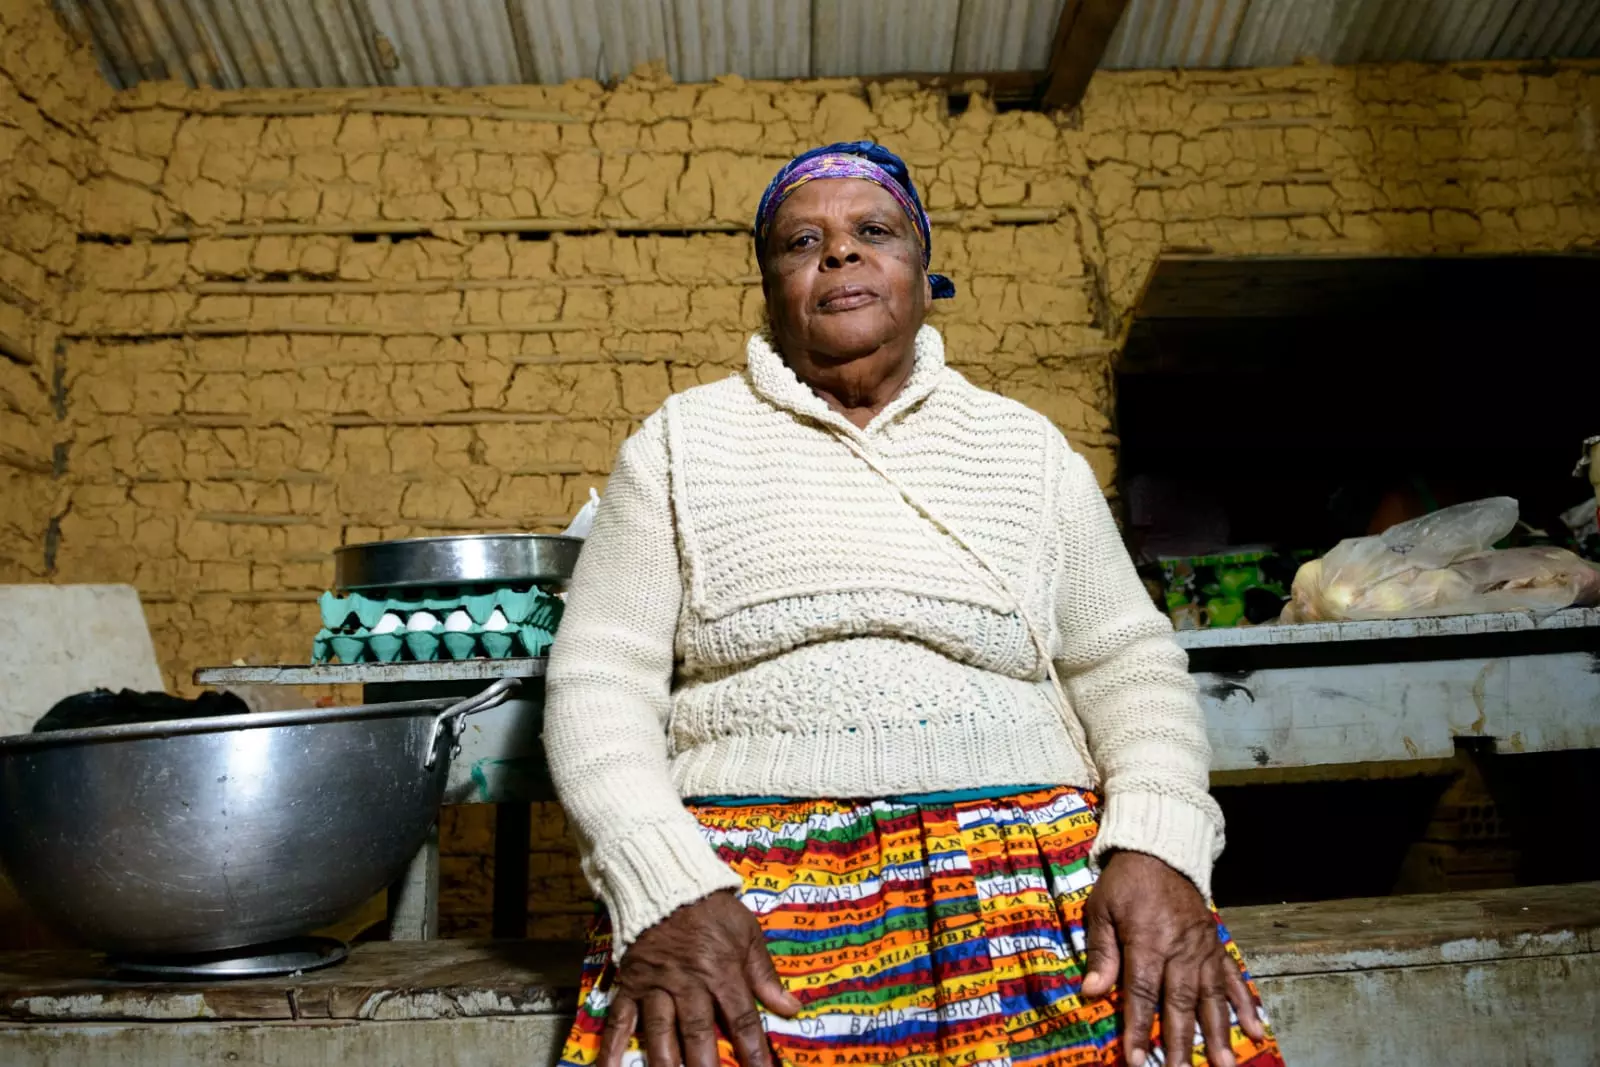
480,606
423,646
348,648
498,644
385,648
535,641
531,617
459,644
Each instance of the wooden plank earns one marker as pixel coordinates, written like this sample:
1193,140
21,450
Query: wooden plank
414,898
386,980
329,329
1015,87
507,1041
1349,935
1362,712
446,228
458,670
1383,770
1505,1013
380,980
1082,34
1319,633
429,108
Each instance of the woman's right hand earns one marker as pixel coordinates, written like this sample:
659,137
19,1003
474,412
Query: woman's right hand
705,962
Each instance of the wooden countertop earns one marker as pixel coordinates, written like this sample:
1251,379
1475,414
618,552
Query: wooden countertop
411,980
379,980
440,670
1322,633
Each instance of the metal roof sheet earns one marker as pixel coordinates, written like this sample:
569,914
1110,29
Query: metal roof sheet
759,39
1006,34
1272,33
473,45
310,43
882,36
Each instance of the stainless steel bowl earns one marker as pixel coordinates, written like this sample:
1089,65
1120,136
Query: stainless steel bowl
472,559
198,835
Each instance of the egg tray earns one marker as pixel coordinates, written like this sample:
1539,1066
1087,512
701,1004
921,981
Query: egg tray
530,616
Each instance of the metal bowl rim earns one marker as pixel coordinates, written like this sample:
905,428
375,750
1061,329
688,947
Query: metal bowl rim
255,720
373,564
457,537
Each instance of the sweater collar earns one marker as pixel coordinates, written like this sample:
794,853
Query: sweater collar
773,381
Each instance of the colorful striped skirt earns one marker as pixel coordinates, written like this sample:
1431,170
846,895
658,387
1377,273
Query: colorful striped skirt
926,933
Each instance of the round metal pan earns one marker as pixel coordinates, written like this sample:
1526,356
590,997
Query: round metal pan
473,559
203,835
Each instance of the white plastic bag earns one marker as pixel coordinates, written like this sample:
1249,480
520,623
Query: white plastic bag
584,519
1440,564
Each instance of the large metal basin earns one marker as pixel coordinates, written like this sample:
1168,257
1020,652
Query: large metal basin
198,835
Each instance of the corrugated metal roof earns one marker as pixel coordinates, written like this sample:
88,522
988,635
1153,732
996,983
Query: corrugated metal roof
1175,33
882,36
1006,34
1273,33
309,43
562,38
634,32
766,39
473,46
227,43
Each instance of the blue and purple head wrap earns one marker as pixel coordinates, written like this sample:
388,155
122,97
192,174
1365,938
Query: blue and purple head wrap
852,159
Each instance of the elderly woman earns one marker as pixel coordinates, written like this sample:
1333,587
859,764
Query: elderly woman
876,748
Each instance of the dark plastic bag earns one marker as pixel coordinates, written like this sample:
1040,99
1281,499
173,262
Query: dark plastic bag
102,707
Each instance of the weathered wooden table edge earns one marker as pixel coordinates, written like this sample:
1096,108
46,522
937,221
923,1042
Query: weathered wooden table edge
1443,626
400,980
1512,975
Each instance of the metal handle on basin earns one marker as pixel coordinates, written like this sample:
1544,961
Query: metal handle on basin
453,720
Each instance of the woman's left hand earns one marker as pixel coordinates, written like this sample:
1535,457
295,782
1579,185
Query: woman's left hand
1149,925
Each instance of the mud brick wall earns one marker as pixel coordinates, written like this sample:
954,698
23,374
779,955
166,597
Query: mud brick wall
560,906
49,90
303,319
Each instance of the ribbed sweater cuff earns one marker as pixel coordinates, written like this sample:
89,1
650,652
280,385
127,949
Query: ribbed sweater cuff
1182,835
654,871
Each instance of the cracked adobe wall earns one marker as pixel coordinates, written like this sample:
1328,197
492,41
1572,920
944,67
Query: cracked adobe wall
49,91
308,318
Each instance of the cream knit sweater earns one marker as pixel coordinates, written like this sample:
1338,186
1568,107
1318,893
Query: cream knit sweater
765,607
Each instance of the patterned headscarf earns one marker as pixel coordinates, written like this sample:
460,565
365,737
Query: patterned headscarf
852,159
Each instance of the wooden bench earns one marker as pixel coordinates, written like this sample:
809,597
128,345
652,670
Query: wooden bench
1500,978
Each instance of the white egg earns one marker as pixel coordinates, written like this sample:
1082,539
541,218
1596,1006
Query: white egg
422,622
388,624
458,622
496,621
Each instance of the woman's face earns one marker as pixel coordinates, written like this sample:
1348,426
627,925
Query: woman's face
843,275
